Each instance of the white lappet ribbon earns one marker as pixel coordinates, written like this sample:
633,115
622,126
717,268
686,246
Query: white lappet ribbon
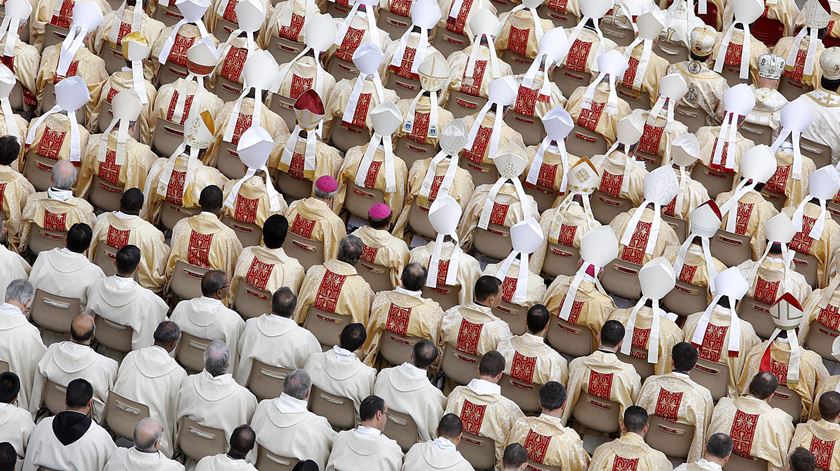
538,29
376,141
273,196
166,174
310,155
183,92
256,112
431,172
434,261
729,208
589,95
653,339
711,271
138,81
810,54
727,135
654,227
496,134
629,162
487,210
71,44
122,140
9,30
353,100
734,345
521,278
136,20
469,70
571,293
345,25
419,53
317,83
75,138
170,40
796,165
819,223
408,123
536,164
9,117
575,33
286,16
786,261
795,353
644,58
559,218
682,186
530,77
744,72
828,292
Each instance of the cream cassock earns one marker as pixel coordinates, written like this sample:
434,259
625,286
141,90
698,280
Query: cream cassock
223,462
123,301
88,452
407,389
13,267
364,448
274,340
208,318
21,347
217,402
65,273
438,454
16,426
340,372
130,459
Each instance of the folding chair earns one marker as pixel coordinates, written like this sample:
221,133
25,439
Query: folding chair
167,13
637,99
693,118
341,69
714,376
617,28
820,339
268,461
460,367
170,72
105,195
338,410
190,352
560,260
595,413
568,81
672,438
411,151
789,401
250,301
406,88
53,398
228,161
283,50
38,170
448,42
792,89
529,127
344,137
757,133
249,234
621,279
42,240
293,188
377,276
714,181
285,107
518,64
446,296
584,142
223,29
672,51
525,395
569,339
54,313
186,280
114,60
54,35
393,24
757,314
307,251
807,266
544,198
113,336
461,104
227,90
197,441
418,221
326,326
819,153
730,248
606,207
479,451
401,428
167,137
638,358
493,242
679,225
358,200
171,213
266,381
396,349
482,173
514,315
122,414
739,463
561,19
686,299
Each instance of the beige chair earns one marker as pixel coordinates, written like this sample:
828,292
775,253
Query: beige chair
113,336
285,107
479,451
358,200
283,50
638,358
250,301
560,260
595,413
776,199
569,339
268,461
525,395
122,414
170,72
585,142
223,29
544,198
337,10
418,221
342,69
54,313
53,35
42,240
105,258
672,51
460,367
621,279
16,97
730,248
343,137
651,161
4,366
401,428
672,438
739,463
618,29
53,397
396,349
560,19
686,299
493,242
482,173
167,137
171,213
605,207
757,314
114,60
789,401
307,251
448,42
534,466
105,195
405,88
679,225
377,276
715,182
568,81
338,410
529,127
38,170
197,441
461,104
638,100
393,24
292,188
411,151
266,381
248,233
167,13
834,210
693,118
792,89
503,6
326,326
714,376
757,133
446,296
514,315
732,74
819,153
228,162
519,64
190,352
186,280
820,339
807,266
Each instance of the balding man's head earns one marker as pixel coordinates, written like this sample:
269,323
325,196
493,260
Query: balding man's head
82,329
147,435
830,406
763,385
216,358
63,175
241,441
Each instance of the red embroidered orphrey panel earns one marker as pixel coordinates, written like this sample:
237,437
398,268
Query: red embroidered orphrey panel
713,339
468,336
328,292
742,432
668,404
198,249
823,450
117,238
259,273
537,446
472,415
600,384
398,319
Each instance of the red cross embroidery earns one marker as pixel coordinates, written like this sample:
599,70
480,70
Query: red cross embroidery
245,209
329,291
302,226
398,319
259,273
468,336
198,250
668,404
117,238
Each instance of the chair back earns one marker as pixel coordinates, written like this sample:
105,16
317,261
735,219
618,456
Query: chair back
493,242
595,413
561,19
834,210
268,461
190,352
248,233
693,118
686,299
283,50
605,207
396,349
338,410
757,314
582,141
122,414
307,251
819,153
326,326
479,451
418,221
730,248
792,89
545,198
776,199
401,428
167,13
715,182
53,398
54,313
483,173
393,24
732,74
638,358
448,42
807,266
227,90
568,81
525,395
228,162
679,225
105,195
637,99
739,463
758,133
38,170
4,366
42,240
618,29
514,315
186,280
171,213
533,465
53,35
789,401
378,276
113,336
461,104
197,441
339,68
250,301
651,160
284,106
672,438
460,367
292,188
820,339
167,137
266,381
446,296
621,278
358,200
529,127
16,96
569,339
170,72
713,376
114,60
406,88
671,51
560,260
411,151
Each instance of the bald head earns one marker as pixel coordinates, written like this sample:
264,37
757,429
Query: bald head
63,175
830,406
763,385
147,435
82,329
242,441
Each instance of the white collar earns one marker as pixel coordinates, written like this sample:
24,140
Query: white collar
708,465
122,215
444,444
123,282
680,375
367,432
412,371
783,339
207,301
61,195
10,309
342,354
484,387
288,404
401,290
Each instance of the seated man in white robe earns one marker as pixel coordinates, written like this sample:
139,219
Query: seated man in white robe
275,339
408,388
716,454
242,441
339,371
151,376
123,301
630,449
146,454
20,342
207,317
12,265
66,272
366,447
287,429
71,440
212,398
442,452
16,422
68,360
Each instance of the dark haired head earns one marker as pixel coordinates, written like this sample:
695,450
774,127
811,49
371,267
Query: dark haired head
486,287
424,353
635,419
350,250
131,201
413,277
829,405
8,457
128,258
684,356
211,199
450,426
763,385
274,231
802,460
552,396
9,387
212,282
492,364
370,406
79,394
242,440
514,456
352,337
79,237
283,302
612,333
719,446
9,149
537,318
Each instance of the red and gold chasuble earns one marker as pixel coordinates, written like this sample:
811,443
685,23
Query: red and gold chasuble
328,292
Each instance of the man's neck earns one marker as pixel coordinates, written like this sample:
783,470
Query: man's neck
83,411
714,459
607,349
236,455
149,451
17,305
556,413
370,424
125,275
84,343
489,379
